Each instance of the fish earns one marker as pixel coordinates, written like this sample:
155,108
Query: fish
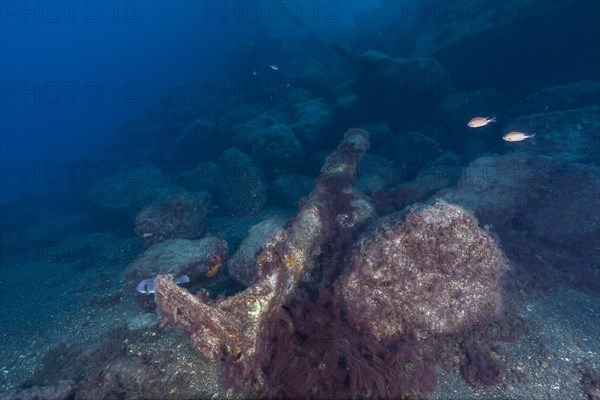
479,122
515,136
274,67
147,285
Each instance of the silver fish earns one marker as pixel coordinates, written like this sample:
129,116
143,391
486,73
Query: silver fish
517,136
147,285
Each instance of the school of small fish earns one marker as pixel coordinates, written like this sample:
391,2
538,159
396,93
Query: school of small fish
514,136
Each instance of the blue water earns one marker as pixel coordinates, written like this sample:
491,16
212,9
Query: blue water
128,125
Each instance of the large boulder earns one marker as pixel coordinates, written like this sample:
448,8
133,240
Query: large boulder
381,137
132,189
441,173
242,265
377,173
559,98
198,259
289,189
310,74
312,119
569,135
399,89
182,216
195,142
567,212
434,272
413,151
243,189
204,177
278,150
497,188
245,134
488,43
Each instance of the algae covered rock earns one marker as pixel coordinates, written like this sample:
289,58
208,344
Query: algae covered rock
198,259
182,216
434,272
131,189
289,189
243,189
194,142
497,188
559,98
312,118
242,265
276,149
204,177
401,88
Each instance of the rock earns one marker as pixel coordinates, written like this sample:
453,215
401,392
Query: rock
289,189
441,173
381,138
270,142
238,325
370,39
132,189
61,390
565,120
242,266
310,75
198,259
434,273
194,142
182,216
414,151
477,39
143,321
239,115
567,210
571,135
243,189
497,188
399,90
311,120
346,103
245,134
204,177
277,150
376,173
559,98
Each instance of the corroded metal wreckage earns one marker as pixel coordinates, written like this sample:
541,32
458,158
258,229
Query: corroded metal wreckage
234,328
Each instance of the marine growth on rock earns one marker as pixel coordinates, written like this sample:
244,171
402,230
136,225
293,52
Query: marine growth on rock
350,311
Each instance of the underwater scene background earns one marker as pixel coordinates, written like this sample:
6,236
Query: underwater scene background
300,199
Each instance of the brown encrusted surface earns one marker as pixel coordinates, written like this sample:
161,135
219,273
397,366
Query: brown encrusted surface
232,328
435,272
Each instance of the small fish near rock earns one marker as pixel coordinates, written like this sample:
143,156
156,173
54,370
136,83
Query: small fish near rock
517,136
147,285
479,122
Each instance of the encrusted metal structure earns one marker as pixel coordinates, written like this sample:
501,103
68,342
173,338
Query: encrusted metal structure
233,328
